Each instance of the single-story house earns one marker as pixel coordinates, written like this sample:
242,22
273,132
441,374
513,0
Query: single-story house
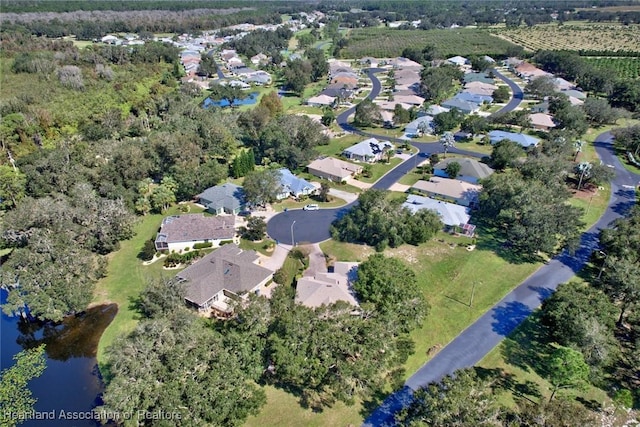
337,91
291,185
391,105
458,60
480,88
520,138
541,121
387,118
370,150
226,198
575,94
474,98
235,62
434,110
183,231
345,82
401,62
333,169
225,275
321,101
259,59
489,59
337,66
464,106
328,288
528,71
562,84
471,170
455,190
452,215
478,77
542,107
235,83
409,99
258,77
243,71
419,126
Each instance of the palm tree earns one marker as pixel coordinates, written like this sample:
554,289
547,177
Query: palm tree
447,142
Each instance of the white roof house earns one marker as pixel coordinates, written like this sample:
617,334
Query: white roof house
328,288
461,192
458,60
450,214
369,150
419,126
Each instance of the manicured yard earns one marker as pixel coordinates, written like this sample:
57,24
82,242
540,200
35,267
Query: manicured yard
265,247
283,410
412,177
379,169
126,278
594,202
337,145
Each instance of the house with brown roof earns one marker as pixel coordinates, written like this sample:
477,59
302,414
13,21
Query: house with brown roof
183,231
226,275
333,169
541,121
328,288
528,71
455,190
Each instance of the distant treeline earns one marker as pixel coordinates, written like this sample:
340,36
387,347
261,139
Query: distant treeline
21,6
91,25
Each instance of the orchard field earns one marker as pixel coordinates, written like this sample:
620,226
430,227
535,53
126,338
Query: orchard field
389,43
628,68
579,37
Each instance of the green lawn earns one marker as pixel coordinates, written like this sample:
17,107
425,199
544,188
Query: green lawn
337,145
126,278
594,204
283,410
446,272
379,169
265,247
412,177
521,356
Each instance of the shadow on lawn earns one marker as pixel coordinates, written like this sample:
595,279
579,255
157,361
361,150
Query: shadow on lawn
490,239
528,347
502,380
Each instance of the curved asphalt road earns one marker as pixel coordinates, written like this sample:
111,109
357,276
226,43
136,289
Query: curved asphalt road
313,226
477,340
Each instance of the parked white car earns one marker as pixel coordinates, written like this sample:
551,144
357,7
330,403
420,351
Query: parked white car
311,207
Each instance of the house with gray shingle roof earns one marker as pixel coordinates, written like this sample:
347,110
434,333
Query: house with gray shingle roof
464,106
226,198
225,275
453,216
370,150
291,185
183,231
471,170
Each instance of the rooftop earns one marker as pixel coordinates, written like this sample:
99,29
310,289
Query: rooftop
450,214
196,227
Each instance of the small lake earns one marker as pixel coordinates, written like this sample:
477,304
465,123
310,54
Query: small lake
71,381
251,99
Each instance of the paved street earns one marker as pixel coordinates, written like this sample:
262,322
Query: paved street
480,338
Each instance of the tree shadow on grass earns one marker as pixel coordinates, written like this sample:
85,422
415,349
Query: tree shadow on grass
528,346
490,239
502,380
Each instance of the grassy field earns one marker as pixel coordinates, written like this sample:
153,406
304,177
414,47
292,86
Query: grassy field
597,37
283,410
337,145
521,356
446,272
380,169
387,43
126,278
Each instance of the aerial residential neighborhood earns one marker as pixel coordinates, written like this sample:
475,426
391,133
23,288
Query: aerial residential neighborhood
320,213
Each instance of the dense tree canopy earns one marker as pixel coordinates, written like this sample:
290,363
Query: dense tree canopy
531,215
380,222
